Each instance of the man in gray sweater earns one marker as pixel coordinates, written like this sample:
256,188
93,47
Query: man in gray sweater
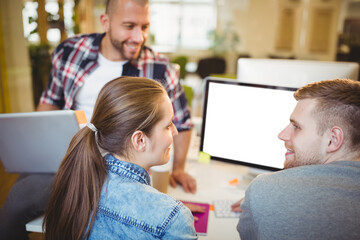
318,195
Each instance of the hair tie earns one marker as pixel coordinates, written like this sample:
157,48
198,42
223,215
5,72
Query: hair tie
92,127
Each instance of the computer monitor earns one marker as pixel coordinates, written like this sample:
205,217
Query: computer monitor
293,73
241,122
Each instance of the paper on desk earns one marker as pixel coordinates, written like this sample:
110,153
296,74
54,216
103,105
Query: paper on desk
234,182
204,157
202,222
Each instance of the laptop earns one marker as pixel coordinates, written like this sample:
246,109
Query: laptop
35,142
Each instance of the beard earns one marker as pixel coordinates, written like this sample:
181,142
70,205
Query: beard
119,46
303,158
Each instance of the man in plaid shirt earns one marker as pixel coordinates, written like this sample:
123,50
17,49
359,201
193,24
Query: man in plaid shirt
77,62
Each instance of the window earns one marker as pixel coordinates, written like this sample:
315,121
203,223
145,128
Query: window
30,16
181,24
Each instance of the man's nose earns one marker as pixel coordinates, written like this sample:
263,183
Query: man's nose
137,35
284,134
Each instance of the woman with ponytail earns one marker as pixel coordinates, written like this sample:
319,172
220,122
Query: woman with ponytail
102,188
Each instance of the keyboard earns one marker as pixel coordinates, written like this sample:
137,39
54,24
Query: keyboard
222,209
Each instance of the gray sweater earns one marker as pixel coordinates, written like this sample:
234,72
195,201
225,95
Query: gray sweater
308,202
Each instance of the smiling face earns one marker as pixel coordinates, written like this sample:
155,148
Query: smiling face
303,143
126,29
159,142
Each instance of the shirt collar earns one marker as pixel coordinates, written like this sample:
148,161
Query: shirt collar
93,54
138,173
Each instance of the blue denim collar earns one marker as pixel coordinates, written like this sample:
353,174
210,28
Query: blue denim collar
127,169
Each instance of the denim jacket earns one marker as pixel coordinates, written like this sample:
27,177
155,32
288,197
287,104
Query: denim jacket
130,208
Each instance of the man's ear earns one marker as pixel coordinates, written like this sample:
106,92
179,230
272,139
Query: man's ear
105,21
138,140
336,139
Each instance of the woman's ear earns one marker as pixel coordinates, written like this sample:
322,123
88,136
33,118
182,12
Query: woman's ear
336,139
138,140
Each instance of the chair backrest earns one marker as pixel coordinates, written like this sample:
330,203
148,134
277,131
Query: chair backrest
189,93
181,61
211,65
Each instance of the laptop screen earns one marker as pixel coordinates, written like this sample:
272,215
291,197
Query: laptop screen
35,142
241,122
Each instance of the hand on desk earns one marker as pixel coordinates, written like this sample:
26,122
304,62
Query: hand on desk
195,209
184,179
236,206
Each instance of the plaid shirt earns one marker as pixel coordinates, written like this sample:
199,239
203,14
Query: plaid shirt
75,58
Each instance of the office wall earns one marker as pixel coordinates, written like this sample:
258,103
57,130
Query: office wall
15,54
353,9
304,29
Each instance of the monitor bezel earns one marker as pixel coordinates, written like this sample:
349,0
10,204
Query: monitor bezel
208,81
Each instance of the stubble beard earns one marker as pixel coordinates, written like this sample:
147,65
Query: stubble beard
303,159
119,46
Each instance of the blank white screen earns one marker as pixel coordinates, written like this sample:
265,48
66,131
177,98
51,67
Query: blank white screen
242,123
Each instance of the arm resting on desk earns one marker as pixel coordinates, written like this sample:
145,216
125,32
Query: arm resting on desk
181,146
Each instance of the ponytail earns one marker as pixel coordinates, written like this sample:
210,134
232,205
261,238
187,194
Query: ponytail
124,105
73,203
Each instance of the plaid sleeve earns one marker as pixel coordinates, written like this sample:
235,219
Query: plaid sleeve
54,93
182,118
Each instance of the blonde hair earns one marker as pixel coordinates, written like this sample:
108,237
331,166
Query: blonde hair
338,103
123,106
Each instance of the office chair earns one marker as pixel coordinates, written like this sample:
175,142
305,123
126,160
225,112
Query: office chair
181,61
211,65
189,93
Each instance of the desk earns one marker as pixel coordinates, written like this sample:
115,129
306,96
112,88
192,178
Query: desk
212,184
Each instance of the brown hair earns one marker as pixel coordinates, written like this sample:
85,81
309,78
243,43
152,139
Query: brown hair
338,103
123,106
